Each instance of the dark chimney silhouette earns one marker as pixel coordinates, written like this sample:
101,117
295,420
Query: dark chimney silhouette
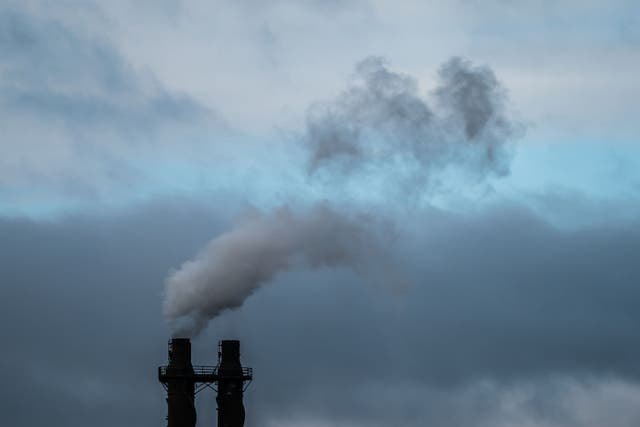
178,378
183,381
230,385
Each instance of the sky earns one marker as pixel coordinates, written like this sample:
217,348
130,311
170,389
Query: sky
474,165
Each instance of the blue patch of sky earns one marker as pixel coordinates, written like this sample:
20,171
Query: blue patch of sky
270,171
599,169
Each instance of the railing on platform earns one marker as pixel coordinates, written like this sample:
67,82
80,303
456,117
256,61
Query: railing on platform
203,374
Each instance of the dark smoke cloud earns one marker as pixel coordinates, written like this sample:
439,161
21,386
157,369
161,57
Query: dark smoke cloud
234,264
381,120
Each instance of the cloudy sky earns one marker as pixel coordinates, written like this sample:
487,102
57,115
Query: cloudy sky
429,209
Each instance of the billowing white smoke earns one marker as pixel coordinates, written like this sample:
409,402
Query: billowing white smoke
380,121
233,265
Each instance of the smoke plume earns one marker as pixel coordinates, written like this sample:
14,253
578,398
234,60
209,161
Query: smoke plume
233,265
379,123
382,121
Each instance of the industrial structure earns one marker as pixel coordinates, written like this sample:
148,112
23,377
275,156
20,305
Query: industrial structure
183,381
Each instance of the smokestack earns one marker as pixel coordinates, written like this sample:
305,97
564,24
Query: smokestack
179,380
231,378
183,381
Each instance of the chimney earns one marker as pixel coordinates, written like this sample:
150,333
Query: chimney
231,378
179,381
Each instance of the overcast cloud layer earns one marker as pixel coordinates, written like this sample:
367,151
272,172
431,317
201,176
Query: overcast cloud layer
511,321
494,145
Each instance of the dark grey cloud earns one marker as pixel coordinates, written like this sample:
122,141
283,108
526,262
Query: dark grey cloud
381,121
500,298
80,302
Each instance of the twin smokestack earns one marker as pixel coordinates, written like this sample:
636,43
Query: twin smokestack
183,381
